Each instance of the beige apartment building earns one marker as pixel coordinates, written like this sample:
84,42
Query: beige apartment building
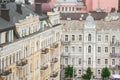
29,43
90,41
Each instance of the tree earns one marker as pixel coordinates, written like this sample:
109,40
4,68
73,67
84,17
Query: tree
88,74
105,74
69,71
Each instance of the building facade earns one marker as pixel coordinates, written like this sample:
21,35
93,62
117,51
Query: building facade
91,43
87,5
29,44
70,6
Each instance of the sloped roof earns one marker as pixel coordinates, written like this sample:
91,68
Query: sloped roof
77,16
15,16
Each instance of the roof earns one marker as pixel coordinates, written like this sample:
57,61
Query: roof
100,24
15,16
77,16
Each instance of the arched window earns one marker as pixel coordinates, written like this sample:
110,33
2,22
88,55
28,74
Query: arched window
89,60
89,49
89,37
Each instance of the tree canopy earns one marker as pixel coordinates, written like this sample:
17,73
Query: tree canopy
88,74
69,71
105,73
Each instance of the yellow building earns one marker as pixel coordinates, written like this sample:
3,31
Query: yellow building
29,44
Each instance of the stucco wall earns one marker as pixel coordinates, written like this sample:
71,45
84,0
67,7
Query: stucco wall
105,4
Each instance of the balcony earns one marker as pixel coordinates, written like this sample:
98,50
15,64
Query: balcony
21,63
55,45
115,43
44,67
117,66
114,54
45,51
54,75
54,60
65,54
65,42
6,73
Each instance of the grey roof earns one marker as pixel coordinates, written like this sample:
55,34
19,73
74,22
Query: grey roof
15,16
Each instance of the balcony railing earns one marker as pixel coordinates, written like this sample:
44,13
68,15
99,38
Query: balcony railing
54,60
115,43
45,51
65,42
54,75
114,54
21,63
117,66
6,73
44,67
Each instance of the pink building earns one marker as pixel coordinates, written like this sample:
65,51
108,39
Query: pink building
107,5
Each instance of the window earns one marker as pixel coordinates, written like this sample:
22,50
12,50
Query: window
113,72
99,49
106,61
99,72
113,61
73,37
73,49
89,49
65,8
106,38
99,37
80,49
2,62
62,8
89,37
80,37
98,61
113,39
10,59
66,48
58,8
13,57
113,49
79,71
89,61
66,60
106,49
7,61
0,65
73,61
79,61
0,37
66,37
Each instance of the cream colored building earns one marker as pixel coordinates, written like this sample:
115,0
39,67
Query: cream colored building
29,44
91,43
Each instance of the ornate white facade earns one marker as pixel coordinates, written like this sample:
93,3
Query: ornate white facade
91,43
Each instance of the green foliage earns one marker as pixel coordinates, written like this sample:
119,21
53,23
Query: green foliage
88,74
69,71
105,73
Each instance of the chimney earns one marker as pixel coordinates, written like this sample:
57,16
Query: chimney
27,2
38,8
18,8
5,12
12,0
